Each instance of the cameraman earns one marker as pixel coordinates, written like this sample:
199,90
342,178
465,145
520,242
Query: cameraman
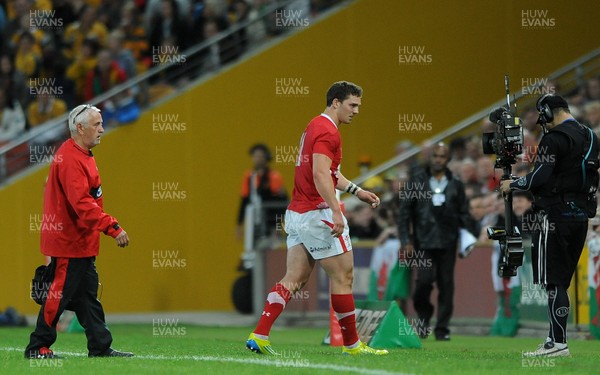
563,182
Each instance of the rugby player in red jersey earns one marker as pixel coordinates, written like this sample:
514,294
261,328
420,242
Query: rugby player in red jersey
316,227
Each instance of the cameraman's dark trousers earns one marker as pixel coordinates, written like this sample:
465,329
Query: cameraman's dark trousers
555,254
436,266
74,287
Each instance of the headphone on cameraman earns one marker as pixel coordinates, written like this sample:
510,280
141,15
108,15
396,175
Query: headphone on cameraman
544,109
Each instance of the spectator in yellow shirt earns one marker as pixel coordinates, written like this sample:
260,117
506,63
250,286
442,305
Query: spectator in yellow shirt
28,25
84,62
44,108
134,38
27,60
86,28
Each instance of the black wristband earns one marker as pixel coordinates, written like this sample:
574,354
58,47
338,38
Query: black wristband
352,188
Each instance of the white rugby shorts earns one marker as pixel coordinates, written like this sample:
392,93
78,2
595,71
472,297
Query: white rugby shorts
313,229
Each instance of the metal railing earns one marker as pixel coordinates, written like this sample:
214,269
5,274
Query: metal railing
570,76
176,71
257,240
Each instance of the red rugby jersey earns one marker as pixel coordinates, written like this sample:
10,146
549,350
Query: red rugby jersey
73,216
321,136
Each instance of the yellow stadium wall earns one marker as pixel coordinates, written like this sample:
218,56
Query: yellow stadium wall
471,47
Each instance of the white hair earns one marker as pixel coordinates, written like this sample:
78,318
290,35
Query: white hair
80,114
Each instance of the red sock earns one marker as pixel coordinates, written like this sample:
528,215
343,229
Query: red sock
343,305
278,297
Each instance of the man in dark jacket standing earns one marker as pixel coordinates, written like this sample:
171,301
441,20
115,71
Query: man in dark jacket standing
72,221
432,209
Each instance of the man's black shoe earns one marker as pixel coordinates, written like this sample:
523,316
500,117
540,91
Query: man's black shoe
110,352
444,337
41,353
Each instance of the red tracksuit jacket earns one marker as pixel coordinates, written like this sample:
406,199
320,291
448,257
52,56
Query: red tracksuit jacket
73,216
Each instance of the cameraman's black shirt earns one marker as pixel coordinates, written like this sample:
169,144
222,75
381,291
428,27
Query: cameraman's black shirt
555,155
541,180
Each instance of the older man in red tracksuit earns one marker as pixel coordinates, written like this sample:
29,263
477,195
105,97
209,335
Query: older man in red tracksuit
70,235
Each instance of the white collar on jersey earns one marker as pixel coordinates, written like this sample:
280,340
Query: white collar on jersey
330,119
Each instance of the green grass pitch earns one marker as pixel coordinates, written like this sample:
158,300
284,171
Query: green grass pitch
208,350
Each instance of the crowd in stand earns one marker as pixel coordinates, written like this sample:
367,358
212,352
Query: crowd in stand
55,54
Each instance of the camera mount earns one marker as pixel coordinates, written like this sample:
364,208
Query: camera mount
506,143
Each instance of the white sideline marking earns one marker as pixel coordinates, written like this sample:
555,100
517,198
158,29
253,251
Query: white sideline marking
254,361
